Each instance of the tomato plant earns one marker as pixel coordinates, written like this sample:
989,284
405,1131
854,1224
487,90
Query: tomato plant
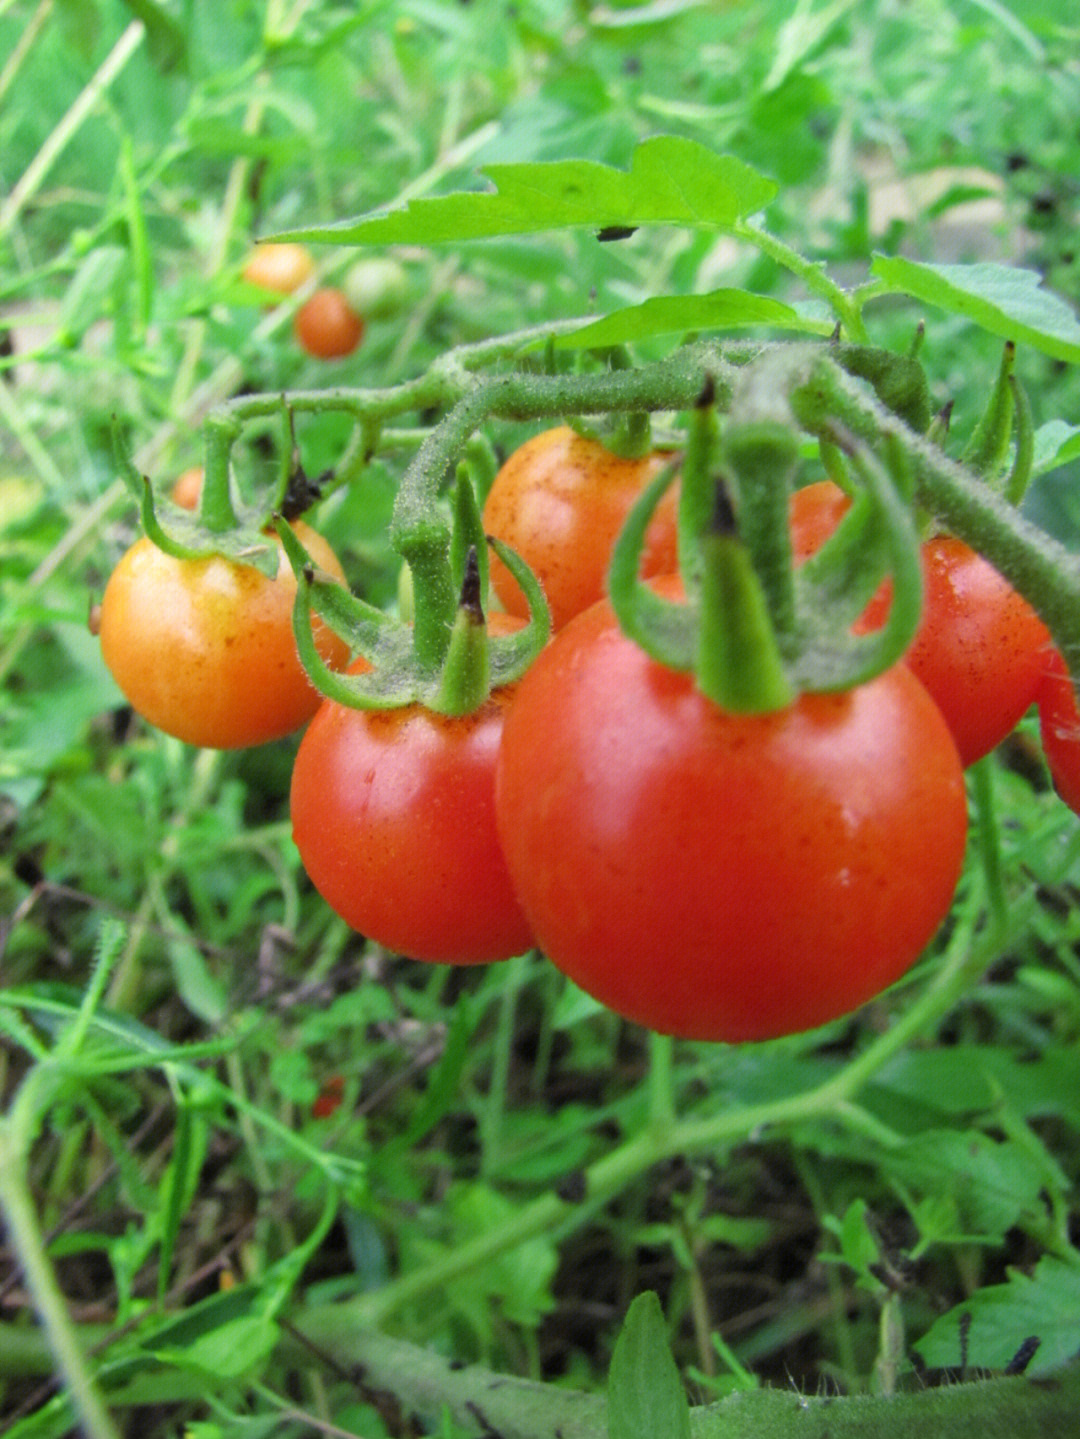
204,648
720,876
327,326
393,814
559,501
980,649
1059,728
280,268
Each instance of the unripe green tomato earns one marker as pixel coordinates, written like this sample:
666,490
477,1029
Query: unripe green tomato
376,286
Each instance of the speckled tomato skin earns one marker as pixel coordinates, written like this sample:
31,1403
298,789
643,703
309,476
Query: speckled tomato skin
393,813
204,649
560,500
981,650
718,876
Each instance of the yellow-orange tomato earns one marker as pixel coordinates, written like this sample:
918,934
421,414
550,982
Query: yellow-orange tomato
204,649
327,326
280,268
560,500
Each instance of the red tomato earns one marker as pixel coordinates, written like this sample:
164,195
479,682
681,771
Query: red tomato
1059,726
329,1097
327,326
980,648
280,268
393,813
560,500
719,876
204,649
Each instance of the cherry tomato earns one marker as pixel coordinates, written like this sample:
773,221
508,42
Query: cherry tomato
327,326
204,649
393,813
188,488
718,876
1059,727
980,648
560,500
280,268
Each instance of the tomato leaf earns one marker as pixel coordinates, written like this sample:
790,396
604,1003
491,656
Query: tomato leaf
645,1393
1056,443
1006,301
1043,1305
671,314
671,181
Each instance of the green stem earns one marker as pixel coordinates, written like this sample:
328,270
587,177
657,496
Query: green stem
661,1080
989,839
813,274
25,1238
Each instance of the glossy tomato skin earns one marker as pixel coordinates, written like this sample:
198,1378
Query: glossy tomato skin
204,649
1059,728
560,500
393,814
716,876
327,326
980,648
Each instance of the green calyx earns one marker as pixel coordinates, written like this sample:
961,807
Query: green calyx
445,658
1004,430
222,524
754,629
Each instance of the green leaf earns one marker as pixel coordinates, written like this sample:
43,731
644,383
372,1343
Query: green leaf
1056,443
671,181
164,36
1006,301
1043,1306
677,314
645,1393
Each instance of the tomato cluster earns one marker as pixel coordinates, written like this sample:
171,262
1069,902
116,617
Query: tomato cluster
327,325
711,875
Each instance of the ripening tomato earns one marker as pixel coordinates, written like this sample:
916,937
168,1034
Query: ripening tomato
393,814
719,876
188,488
204,648
980,648
560,500
280,268
1059,728
327,326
